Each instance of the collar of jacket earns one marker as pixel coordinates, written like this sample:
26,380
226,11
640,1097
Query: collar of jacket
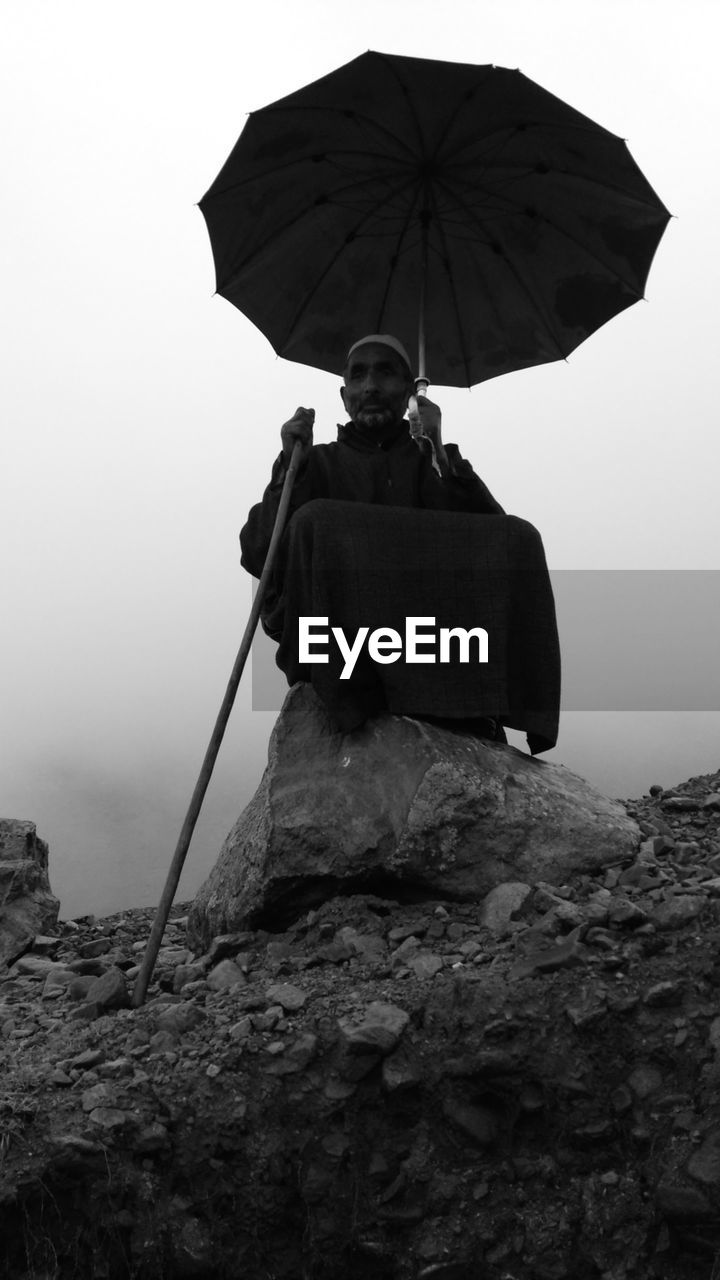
354,436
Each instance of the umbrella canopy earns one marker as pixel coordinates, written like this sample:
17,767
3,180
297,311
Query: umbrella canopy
460,207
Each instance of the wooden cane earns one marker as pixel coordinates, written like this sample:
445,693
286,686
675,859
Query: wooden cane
163,911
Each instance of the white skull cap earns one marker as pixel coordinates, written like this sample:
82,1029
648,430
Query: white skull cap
383,340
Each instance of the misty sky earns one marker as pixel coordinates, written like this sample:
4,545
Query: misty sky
141,414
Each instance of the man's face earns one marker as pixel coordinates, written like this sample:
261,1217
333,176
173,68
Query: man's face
377,386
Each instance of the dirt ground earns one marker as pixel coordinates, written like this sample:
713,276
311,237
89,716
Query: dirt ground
384,1089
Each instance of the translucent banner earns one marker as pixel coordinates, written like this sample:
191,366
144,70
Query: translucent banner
631,640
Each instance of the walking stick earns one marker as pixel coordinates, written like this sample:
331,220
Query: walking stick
163,911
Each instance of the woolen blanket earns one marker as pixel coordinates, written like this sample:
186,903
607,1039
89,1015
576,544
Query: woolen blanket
363,565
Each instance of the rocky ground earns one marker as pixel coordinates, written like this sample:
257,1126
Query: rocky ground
527,1088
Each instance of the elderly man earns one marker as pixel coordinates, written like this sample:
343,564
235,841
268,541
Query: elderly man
375,458
387,529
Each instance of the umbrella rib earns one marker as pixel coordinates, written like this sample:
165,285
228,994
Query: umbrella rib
408,101
393,261
453,292
539,308
470,100
360,117
328,267
310,210
463,103
504,133
222,192
590,253
518,207
518,170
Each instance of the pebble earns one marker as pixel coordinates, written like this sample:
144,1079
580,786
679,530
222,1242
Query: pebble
76,1145
475,1122
409,945
657,845
32,966
621,1100
714,1035
226,974
179,1019
435,929
624,914
503,904
337,1090
87,1012
379,1031
87,1059
153,1137
425,965
99,947
101,1095
297,1056
682,1203
400,1070
367,947
664,993
186,973
677,911
645,1080
704,1164
400,932
563,955
57,982
109,991
712,886
110,1118
588,1011
241,1029
225,945
78,987
289,997
45,946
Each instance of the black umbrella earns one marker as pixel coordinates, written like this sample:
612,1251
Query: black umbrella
462,204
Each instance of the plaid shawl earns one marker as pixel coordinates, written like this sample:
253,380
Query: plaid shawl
361,564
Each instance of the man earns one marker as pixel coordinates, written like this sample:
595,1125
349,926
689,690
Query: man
375,458
428,552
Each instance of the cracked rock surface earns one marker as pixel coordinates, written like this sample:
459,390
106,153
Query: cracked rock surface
522,1087
400,806
27,906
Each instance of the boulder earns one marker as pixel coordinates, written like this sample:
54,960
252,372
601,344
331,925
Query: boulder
401,807
27,906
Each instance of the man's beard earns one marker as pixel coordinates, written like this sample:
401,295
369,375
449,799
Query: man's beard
375,417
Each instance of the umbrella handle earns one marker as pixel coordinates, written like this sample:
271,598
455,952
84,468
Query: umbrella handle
421,386
416,430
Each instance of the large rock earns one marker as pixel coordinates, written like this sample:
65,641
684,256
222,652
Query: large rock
27,906
400,806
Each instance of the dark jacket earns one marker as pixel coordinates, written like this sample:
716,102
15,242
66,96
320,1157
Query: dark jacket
396,473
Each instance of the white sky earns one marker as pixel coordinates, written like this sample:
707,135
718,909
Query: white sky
140,413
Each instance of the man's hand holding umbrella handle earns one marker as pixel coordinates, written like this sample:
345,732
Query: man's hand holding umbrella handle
299,427
425,420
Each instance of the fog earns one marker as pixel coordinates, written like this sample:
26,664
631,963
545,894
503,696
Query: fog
141,414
